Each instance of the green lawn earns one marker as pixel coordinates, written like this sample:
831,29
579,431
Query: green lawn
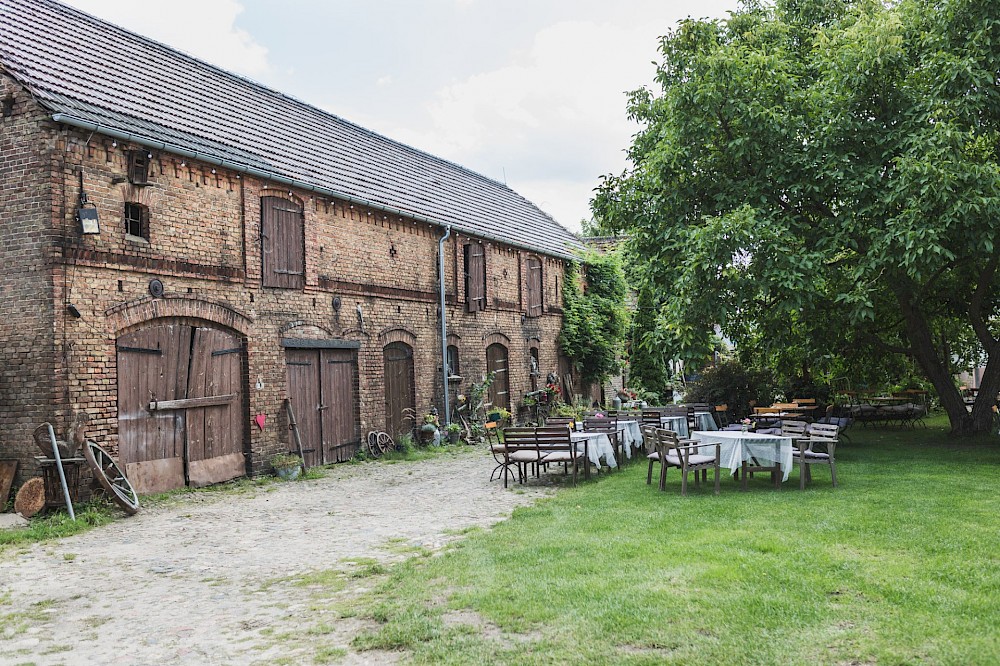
898,565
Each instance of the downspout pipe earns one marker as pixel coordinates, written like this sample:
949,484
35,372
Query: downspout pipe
444,327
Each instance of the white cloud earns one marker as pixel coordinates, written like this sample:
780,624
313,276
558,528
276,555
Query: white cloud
552,120
202,29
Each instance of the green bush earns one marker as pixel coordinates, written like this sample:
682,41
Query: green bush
732,384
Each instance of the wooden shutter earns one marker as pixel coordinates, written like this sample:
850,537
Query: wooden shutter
475,277
534,287
282,243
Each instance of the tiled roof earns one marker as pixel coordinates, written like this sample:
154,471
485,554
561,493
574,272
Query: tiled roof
86,70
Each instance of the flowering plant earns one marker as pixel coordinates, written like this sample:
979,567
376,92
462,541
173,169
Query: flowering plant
746,422
553,389
598,415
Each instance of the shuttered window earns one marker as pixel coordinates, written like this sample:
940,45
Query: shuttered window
138,167
282,243
534,287
475,277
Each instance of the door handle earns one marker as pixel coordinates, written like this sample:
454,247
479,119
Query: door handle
320,408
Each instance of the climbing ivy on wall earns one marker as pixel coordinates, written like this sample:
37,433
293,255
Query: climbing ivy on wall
595,316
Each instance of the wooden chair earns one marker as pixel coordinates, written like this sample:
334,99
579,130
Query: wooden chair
722,418
608,426
821,435
521,450
652,453
556,446
651,417
685,457
795,429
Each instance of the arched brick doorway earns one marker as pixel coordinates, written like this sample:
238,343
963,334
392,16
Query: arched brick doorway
181,417
400,392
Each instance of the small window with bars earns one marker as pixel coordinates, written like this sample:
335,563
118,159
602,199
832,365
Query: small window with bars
136,220
138,167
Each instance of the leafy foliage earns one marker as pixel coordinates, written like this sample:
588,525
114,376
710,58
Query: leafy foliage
820,180
732,384
595,319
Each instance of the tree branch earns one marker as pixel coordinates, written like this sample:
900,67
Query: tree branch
976,303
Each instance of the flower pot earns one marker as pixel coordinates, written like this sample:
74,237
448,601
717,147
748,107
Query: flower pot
453,437
288,473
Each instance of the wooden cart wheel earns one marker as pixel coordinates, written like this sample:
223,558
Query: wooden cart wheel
385,443
111,477
379,443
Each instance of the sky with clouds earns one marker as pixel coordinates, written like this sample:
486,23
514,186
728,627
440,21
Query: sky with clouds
528,92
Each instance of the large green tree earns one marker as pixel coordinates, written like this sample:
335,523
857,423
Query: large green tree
822,176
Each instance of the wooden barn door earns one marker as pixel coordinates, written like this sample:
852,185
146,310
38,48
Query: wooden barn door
496,361
214,409
399,389
180,406
152,365
341,437
322,387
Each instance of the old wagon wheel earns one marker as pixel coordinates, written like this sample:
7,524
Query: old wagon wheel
380,443
111,477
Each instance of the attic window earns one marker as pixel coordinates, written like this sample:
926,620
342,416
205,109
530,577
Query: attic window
138,167
136,220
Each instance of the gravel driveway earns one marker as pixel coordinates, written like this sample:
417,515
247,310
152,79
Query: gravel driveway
194,582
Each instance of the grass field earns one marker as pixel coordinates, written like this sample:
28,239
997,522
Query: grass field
898,565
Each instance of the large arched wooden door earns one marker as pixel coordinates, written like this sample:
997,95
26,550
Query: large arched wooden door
400,398
181,418
496,362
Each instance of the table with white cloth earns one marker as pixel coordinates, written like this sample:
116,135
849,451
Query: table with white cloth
735,447
631,435
598,445
678,424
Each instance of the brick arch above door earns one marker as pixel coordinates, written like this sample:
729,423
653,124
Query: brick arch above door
128,315
397,334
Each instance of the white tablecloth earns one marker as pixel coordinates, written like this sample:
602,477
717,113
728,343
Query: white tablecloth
737,446
598,447
679,424
631,435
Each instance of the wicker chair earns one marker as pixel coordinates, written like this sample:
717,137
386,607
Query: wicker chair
821,435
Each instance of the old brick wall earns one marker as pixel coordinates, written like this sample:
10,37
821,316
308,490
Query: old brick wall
204,245
27,359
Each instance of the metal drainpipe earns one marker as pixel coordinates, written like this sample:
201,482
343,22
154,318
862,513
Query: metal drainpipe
444,326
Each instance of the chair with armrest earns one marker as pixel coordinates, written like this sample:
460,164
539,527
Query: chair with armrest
820,436
686,458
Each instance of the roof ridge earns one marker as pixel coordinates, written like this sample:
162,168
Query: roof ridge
261,87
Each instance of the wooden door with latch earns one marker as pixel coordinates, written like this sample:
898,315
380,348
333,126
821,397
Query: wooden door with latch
181,412
322,387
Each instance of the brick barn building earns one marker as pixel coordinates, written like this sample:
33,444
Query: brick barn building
183,248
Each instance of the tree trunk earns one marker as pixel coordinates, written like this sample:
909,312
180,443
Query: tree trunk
939,374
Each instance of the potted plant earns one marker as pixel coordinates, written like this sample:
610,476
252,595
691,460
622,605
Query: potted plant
429,428
454,432
287,466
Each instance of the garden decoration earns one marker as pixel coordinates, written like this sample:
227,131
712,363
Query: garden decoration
287,466
111,477
379,443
